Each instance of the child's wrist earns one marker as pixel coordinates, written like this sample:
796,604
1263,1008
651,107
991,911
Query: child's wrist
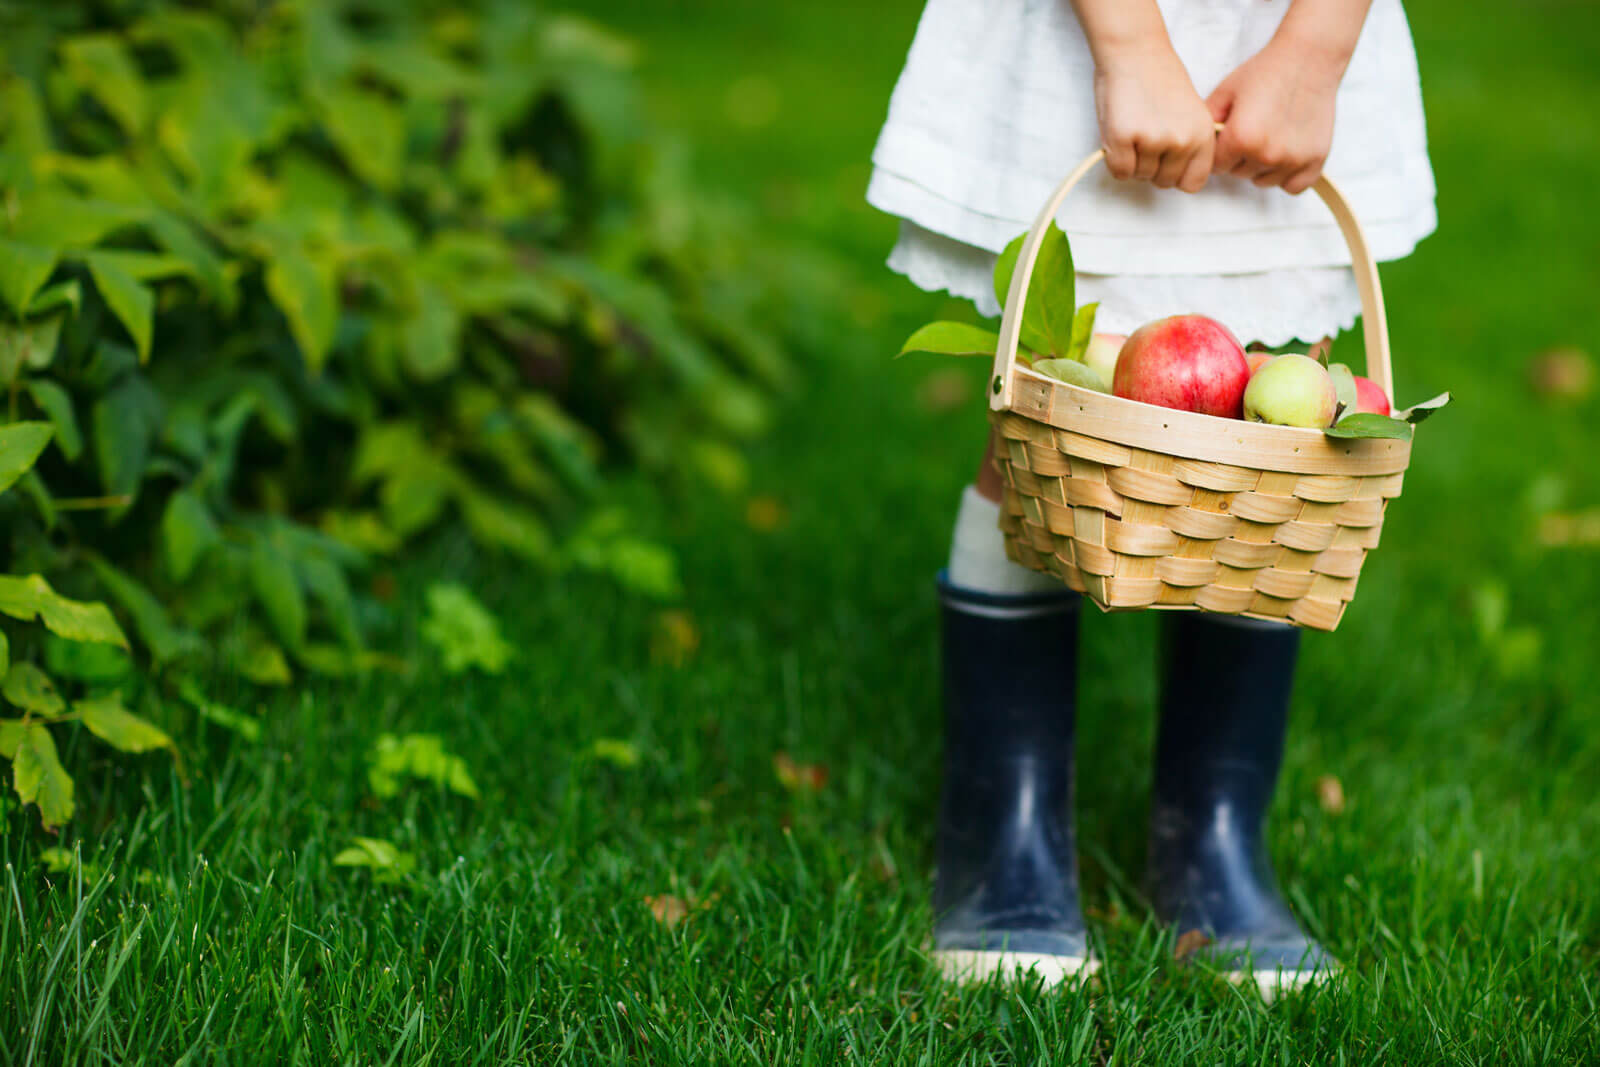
1317,49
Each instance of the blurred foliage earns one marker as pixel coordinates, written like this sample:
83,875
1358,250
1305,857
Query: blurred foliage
284,286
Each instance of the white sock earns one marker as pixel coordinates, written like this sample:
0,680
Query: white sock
978,553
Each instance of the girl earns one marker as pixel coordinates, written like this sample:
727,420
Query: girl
998,100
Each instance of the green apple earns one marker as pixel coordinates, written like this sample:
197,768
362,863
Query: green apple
1292,390
1101,354
1344,383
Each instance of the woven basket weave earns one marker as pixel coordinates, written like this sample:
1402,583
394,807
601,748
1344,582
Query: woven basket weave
1139,506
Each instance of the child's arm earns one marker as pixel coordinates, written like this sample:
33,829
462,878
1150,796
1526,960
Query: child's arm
1277,108
1153,124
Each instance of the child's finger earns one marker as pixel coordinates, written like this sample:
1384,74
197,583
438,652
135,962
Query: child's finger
1303,179
1270,177
1120,159
1148,163
1195,174
1171,168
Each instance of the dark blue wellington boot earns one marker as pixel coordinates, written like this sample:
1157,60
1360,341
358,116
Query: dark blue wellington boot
1224,708
1006,890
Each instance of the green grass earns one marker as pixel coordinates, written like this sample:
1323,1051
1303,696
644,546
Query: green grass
1458,885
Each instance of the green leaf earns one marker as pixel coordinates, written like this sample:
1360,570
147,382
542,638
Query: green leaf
124,422
1050,308
133,304
39,778
428,346
952,339
1417,412
5,653
370,132
499,522
278,590
31,597
86,661
416,756
100,65
1363,425
61,295
1073,373
463,631
28,344
56,402
29,688
246,726
141,266
1344,384
305,291
23,268
623,754
56,218
1082,330
262,662
187,533
10,738
113,723
20,446
325,579
387,863
164,640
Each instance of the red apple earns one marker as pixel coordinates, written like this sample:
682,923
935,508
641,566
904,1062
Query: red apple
1188,362
1255,359
1370,396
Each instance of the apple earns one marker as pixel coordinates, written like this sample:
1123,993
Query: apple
1101,355
1188,362
1292,390
1256,359
1344,383
1370,396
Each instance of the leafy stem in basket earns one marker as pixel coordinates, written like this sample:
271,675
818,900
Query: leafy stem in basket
1365,425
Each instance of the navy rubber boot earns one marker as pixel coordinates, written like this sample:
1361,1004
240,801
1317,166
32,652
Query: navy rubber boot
1224,709
1006,888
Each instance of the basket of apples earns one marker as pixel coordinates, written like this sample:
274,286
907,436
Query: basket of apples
1172,469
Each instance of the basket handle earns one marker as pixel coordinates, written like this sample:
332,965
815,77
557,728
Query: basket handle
1374,324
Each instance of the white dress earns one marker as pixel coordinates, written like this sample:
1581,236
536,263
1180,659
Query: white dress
996,104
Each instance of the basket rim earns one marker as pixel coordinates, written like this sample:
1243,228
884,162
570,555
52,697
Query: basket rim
1191,435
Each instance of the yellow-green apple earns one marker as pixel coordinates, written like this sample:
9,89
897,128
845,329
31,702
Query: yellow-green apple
1188,362
1292,390
1101,355
1344,383
1371,397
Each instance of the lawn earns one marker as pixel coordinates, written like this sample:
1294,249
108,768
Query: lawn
668,897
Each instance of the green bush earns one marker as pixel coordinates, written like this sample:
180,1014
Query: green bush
284,286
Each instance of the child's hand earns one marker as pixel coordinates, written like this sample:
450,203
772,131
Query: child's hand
1153,124
1277,115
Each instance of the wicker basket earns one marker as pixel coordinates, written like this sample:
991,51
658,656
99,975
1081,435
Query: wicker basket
1139,506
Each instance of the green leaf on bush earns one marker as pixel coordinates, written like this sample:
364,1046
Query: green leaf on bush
29,688
1050,308
1367,425
10,737
5,654
39,778
504,524
109,720
246,726
133,304
187,532
416,756
29,598
428,346
164,640
86,661
278,590
124,422
387,863
952,339
305,291
325,579
67,295
101,66
20,446
23,268
463,631
369,131
56,402
28,344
